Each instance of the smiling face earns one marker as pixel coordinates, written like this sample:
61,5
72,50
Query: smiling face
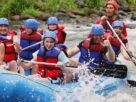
52,27
97,38
118,30
4,30
49,43
110,10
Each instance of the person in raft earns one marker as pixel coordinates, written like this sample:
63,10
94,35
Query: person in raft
111,10
96,53
50,55
116,44
53,25
29,37
9,46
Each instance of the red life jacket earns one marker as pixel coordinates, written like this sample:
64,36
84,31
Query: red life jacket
92,51
124,32
93,47
11,34
49,57
114,41
10,53
61,35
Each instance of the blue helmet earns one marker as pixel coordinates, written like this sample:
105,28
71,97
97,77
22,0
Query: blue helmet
51,34
52,20
31,23
97,29
117,24
4,21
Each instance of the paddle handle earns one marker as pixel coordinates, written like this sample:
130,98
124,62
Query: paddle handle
119,40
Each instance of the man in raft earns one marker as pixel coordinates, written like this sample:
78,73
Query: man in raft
111,9
9,46
97,53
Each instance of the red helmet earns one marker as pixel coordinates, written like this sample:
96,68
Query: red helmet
114,3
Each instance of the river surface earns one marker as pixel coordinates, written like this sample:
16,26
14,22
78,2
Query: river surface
77,33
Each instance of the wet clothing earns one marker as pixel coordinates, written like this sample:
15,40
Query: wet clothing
115,43
28,40
49,57
61,35
106,27
10,53
92,53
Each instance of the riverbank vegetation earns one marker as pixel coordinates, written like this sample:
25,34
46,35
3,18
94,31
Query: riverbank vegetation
38,7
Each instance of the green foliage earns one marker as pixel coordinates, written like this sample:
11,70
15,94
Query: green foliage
54,5
132,3
36,7
13,7
31,11
94,3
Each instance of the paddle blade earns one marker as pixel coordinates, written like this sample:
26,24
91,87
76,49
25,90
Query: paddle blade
117,71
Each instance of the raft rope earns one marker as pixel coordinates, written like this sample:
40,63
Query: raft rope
57,91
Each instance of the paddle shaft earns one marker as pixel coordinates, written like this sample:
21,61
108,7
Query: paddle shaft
119,40
32,45
53,64
45,63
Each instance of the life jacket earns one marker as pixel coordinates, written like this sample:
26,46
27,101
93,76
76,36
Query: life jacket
61,35
10,53
106,27
27,40
63,48
92,53
11,34
49,57
116,44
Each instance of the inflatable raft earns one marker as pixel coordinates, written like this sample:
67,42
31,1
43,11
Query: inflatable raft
17,88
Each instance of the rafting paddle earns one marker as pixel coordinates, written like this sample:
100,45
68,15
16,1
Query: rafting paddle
118,71
120,41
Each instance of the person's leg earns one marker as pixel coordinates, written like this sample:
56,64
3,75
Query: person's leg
34,69
13,66
21,70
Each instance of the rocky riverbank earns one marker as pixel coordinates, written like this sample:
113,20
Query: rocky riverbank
88,17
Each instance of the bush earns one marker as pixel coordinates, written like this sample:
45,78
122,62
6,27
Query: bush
54,5
31,11
95,3
132,3
13,7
